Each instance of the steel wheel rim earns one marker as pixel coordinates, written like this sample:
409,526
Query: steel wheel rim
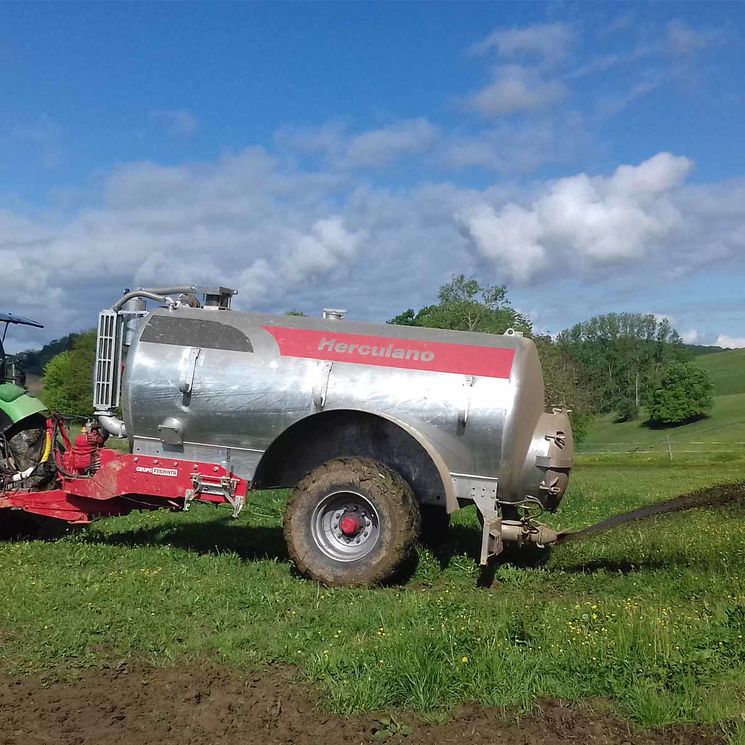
328,535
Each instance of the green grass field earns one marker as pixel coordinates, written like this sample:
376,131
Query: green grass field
723,429
651,616
727,370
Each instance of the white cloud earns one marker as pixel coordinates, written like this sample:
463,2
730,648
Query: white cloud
510,238
581,221
549,41
691,337
287,236
380,147
503,146
515,88
529,82
730,342
327,138
368,149
306,258
203,222
178,123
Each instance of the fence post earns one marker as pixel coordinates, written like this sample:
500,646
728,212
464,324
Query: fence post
669,447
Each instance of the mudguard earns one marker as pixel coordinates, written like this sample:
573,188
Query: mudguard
16,404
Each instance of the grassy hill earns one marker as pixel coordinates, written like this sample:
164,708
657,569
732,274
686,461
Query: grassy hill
727,370
723,430
698,349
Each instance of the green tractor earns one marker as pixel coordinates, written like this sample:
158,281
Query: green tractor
22,416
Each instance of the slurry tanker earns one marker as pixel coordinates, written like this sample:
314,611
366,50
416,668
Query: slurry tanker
381,431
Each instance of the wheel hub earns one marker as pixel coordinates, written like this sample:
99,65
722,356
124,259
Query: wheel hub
351,524
345,525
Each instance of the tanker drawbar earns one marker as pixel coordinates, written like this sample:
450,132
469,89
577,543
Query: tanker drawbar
381,431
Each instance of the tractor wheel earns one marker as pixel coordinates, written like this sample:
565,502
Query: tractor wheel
351,521
26,440
435,524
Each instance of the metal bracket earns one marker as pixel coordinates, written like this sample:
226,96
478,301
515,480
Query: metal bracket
491,531
186,385
559,438
465,404
468,486
224,486
321,385
482,491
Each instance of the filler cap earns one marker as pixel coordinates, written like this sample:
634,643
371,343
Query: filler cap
334,314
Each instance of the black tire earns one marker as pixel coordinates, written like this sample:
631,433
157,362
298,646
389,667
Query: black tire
435,524
377,498
26,441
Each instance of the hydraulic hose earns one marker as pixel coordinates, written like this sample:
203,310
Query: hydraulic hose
47,447
158,294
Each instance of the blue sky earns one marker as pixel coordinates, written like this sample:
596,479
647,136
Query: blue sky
589,156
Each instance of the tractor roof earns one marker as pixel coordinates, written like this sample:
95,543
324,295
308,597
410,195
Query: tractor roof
20,320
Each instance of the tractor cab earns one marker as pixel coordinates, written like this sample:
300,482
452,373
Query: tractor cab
11,371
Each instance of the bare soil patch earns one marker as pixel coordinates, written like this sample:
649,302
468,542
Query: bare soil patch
210,704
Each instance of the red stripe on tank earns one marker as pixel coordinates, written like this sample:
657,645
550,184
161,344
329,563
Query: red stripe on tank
410,354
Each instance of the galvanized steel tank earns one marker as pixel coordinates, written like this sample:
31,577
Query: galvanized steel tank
227,386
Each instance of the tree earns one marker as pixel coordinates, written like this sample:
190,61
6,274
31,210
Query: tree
685,391
466,305
295,313
34,360
623,356
565,385
68,378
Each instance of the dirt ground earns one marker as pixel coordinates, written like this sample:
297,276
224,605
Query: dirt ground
213,704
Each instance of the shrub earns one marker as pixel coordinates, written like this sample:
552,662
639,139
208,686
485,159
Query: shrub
627,410
685,392
68,378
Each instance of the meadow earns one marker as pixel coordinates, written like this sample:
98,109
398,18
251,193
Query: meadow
650,616
721,431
